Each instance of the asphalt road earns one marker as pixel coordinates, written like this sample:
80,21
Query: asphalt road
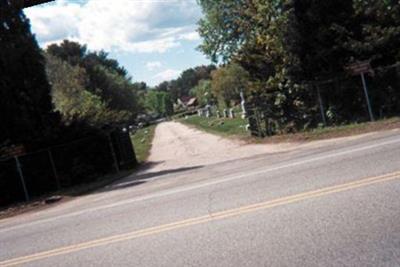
333,205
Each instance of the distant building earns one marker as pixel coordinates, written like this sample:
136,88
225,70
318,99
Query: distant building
187,102
192,102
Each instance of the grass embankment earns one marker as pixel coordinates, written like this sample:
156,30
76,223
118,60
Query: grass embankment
223,126
338,131
142,141
236,128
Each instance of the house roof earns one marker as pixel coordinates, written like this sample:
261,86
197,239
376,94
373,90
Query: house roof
192,101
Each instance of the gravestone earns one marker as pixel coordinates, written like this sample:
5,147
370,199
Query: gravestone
231,113
225,113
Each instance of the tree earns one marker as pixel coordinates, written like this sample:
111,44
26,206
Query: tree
71,52
105,78
163,86
316,36
230,27
228,82
203,92
25,103
286,45
159,102
326,36
72,100
186,81
222,28
378,36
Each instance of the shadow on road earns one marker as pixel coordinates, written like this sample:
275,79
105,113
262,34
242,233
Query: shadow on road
140,178
125,179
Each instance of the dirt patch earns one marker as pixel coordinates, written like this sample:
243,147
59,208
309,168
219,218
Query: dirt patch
178,146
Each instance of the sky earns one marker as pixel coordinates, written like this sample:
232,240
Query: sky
155,40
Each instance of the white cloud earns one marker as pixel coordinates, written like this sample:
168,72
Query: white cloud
122,25
166,75
153,65
190,36
52,24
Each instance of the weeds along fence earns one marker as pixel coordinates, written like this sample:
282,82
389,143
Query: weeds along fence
338,100
31,175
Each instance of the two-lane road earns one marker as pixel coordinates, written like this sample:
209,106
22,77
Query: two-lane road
333,205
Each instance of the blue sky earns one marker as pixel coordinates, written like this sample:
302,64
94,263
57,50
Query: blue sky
155,40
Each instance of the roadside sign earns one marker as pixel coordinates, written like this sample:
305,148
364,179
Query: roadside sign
12,151
360,68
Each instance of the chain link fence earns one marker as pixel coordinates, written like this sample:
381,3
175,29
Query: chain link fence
31,175
339,100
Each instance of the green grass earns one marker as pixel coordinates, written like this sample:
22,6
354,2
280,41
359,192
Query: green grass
334,131
226,127
235,128
142,141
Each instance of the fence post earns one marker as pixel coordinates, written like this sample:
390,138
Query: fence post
21,176
114,156
53,166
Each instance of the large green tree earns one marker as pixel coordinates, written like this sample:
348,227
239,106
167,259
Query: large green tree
203,92
159,102
251,33
227,83
25,103
188,79
316,35
377,36
73,101
105,77
288,46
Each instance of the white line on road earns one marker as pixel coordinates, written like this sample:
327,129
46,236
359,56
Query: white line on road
169,192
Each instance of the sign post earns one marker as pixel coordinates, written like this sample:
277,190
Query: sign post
371,115
360,68
22,178
321,106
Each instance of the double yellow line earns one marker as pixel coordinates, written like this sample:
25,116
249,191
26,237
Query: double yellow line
202,219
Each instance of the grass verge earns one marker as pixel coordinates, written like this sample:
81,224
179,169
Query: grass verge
142,141
226,127
236,128
335,131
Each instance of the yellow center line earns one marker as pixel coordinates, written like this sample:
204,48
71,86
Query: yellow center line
202,219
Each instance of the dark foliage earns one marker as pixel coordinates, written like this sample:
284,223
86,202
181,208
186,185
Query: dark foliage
25,103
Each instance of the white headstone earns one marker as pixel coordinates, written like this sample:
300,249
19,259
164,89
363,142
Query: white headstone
208,111
243,105
225,113
231,113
